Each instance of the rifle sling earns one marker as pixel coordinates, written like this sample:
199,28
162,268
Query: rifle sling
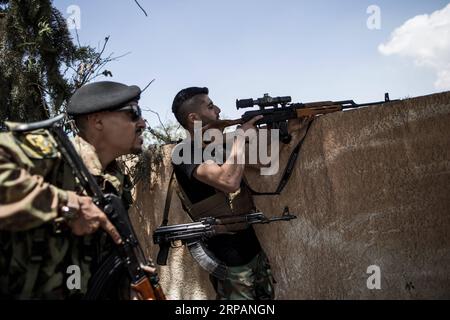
169,193
287,170
187,205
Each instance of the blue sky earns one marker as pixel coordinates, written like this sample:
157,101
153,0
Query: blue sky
310,50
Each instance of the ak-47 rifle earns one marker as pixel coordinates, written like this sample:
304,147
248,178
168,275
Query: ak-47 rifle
193,233
277,110
130,254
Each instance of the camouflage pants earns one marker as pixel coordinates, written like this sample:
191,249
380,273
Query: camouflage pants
253,281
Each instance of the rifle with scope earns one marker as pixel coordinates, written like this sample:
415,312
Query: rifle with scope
276,111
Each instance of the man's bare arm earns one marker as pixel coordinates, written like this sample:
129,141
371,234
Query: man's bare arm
227,177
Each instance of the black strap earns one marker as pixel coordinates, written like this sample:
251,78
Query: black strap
287,171
169,193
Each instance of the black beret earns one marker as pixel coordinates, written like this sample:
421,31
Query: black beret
101,96
185,95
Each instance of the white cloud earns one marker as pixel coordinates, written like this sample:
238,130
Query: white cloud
426,39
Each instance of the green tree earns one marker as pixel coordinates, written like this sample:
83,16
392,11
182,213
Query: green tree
40,66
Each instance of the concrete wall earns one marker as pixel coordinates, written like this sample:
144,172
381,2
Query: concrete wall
371,187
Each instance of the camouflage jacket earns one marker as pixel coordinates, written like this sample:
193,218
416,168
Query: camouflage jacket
35,252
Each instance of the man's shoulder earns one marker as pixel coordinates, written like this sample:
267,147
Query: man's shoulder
33,145
89,155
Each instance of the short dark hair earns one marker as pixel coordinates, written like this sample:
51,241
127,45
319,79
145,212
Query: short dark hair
183,96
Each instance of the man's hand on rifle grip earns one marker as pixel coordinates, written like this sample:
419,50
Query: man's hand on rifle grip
89,218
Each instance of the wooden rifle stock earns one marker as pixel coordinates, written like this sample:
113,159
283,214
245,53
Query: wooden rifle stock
148,292
315,111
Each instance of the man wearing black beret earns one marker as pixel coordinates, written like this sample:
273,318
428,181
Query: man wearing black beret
110,124
108,116
37,193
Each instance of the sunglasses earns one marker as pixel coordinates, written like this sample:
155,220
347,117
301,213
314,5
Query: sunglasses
134,111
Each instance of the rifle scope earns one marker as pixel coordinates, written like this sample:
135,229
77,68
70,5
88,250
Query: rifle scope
266,101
